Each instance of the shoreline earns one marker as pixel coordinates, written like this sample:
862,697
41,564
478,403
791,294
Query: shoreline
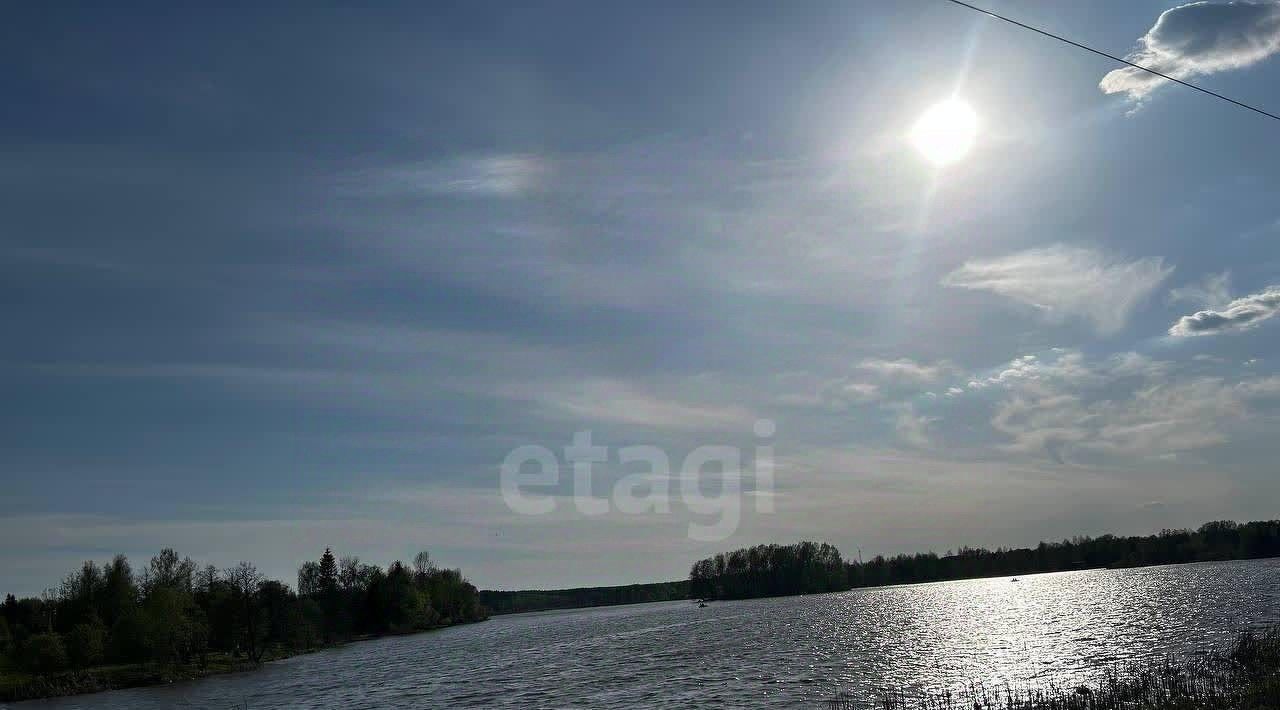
1242,676
123,677
1114,568
17,687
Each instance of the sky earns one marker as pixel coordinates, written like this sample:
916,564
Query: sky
287,277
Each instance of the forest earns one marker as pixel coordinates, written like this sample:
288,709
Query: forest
807,567
107,625
769,571
1215,541
175,619
542,600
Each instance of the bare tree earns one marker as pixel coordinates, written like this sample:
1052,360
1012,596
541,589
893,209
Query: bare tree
349,572
245,581
206,579
422,564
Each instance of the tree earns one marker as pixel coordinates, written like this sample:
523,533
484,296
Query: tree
244,581
119,593
399,603
328,577
276,601
422,565
349,573
166,570
768,570
130,637
78,594
86,644
306,619
171,632
179,612
9,610
309,579
44,653
205,580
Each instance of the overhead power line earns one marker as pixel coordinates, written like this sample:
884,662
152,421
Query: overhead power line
1114,58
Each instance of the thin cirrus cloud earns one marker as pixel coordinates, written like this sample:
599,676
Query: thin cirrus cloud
1241,314
903,370
1198,39
1074,409
499,175
1064,283
1213,291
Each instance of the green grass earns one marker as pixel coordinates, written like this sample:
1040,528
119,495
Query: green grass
1246,677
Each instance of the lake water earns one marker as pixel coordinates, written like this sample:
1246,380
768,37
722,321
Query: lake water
791,652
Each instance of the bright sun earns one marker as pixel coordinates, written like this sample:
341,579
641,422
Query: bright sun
946,132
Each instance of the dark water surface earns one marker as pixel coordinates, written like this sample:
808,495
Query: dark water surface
792,652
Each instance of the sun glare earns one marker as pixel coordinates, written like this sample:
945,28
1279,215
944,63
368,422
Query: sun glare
946,132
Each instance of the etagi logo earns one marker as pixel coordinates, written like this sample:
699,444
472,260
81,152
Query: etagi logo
647,492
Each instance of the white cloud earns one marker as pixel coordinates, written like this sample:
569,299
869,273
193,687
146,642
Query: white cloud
1198,39
1067,282
1069,368
1241,314
1126,405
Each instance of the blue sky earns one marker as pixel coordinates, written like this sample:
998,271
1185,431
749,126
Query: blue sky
286,278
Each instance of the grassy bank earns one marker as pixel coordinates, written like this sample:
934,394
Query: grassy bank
1245,677
18,685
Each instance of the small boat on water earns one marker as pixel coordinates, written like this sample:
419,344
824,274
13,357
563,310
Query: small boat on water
702,605
1015,579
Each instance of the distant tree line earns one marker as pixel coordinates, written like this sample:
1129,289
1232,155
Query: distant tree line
806,568
768,571
176,614
1222,540
542,600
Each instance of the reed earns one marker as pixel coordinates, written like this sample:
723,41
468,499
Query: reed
1245,677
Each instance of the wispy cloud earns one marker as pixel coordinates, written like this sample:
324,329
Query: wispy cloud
904,370
608,400
843,393
1213,291
912,428
487,175
889,383
1065,282
1065,406
1199,39
1157,419
1241,314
